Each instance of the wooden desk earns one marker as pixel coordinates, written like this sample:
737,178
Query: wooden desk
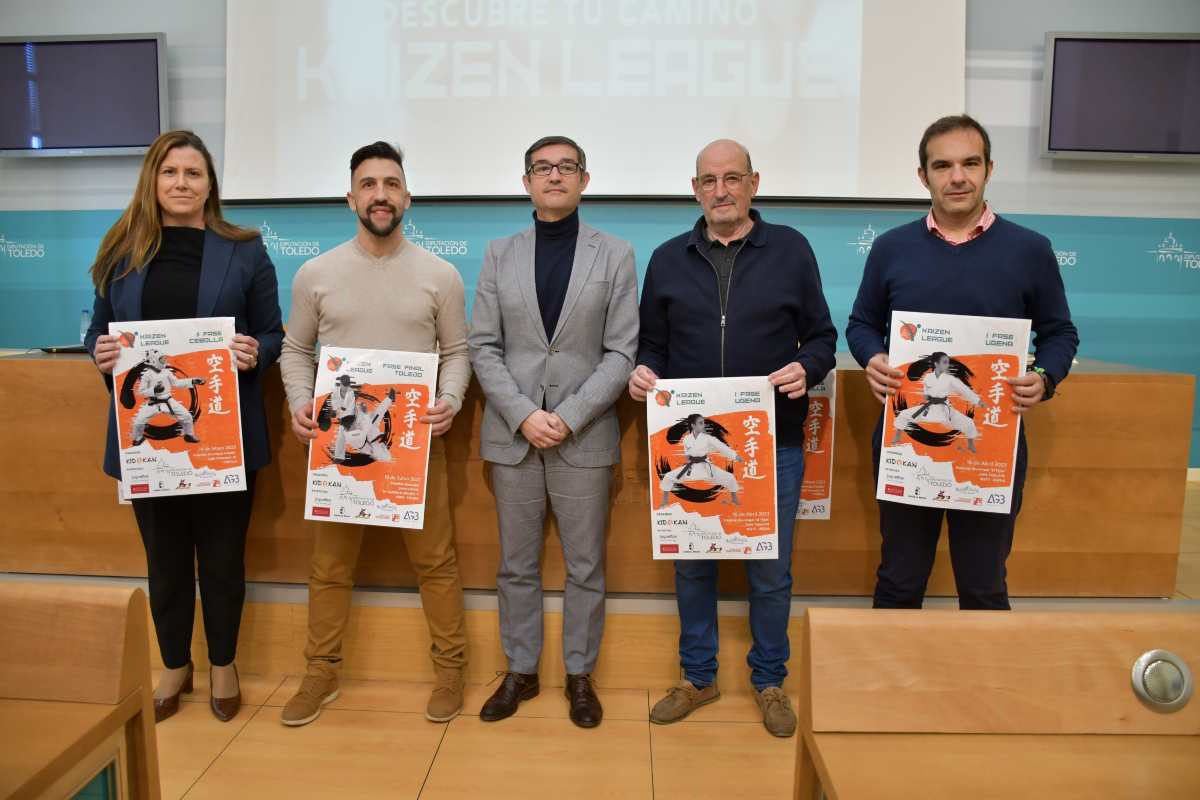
1093,524
55,747
981,704
75,690
867,766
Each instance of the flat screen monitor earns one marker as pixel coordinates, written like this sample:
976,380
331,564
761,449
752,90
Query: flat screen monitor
82,95
1122,96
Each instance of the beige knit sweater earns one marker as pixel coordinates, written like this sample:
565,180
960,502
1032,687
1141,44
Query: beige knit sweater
409,300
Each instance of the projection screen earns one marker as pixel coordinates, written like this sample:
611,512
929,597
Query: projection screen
830,96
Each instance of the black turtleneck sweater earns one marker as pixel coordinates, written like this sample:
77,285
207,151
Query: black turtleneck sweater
554,253
172,287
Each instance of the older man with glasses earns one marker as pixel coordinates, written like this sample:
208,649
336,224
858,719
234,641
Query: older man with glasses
734,296
553,337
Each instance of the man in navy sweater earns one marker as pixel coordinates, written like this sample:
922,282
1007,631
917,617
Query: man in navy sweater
960,259
736,296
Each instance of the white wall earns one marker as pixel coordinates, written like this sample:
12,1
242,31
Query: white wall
1004,73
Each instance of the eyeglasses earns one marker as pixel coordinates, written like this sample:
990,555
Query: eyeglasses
708,183
543,168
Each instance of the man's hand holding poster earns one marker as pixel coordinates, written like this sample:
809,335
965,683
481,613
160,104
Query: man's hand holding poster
179,421
370,460
712,468
950,432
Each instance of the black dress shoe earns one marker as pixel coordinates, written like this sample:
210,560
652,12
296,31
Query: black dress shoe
585,706
515,687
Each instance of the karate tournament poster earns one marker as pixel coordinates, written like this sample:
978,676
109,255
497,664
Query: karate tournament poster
712,468
816,491
179,423
949,433
370,460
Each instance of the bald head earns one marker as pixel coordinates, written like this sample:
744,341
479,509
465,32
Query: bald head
725,186
722,150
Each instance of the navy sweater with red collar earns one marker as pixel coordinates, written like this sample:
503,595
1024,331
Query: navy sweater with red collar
1007,271
775,314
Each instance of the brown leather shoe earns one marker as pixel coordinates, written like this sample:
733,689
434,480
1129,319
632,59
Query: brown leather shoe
167,706
515,687
225,708
586,711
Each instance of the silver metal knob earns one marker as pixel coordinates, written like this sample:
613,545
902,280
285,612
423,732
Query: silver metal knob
1162,680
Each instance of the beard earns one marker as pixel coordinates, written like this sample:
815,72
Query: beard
386,230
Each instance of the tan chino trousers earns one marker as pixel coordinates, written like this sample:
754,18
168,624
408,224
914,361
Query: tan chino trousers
431,552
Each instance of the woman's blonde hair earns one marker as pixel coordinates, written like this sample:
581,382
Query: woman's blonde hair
135,238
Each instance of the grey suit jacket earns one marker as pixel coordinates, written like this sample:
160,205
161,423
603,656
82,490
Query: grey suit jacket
580,371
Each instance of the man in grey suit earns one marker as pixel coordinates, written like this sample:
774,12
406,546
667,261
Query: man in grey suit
553,337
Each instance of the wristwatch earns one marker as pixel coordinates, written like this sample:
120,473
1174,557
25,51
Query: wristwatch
1047,381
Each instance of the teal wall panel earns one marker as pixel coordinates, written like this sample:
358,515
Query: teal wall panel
1133,283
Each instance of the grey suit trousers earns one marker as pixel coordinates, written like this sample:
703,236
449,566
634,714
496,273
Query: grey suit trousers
579,498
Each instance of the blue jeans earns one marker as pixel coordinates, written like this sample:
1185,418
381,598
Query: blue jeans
770,595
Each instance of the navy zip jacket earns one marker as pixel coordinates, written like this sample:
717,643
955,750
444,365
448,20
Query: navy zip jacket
775,314
1007,271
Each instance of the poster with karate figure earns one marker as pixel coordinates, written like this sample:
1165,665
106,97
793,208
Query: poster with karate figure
950,432
712,468
179,424
370,460
816,491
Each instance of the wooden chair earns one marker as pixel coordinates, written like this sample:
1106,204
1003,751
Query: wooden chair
75,692
954,704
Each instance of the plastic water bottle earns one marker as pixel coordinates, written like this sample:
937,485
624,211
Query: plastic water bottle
85,322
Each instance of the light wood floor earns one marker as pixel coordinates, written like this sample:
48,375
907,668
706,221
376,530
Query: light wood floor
374,742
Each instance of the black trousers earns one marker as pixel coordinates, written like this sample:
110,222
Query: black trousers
183,535
979,546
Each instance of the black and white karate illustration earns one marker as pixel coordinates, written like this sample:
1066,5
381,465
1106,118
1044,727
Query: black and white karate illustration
700,438
156,381
366,431
941,378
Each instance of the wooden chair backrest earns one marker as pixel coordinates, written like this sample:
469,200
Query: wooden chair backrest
934,671
72,642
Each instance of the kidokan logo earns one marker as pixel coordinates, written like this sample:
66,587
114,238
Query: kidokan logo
282,246
865,240
1171,250
439,247
13,249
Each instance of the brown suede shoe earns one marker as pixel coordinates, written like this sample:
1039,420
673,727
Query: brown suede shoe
447,698
682,699
318,689
515,687
167,706
586,711
225,708
778,717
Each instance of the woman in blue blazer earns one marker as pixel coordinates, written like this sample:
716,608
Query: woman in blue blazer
172,255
